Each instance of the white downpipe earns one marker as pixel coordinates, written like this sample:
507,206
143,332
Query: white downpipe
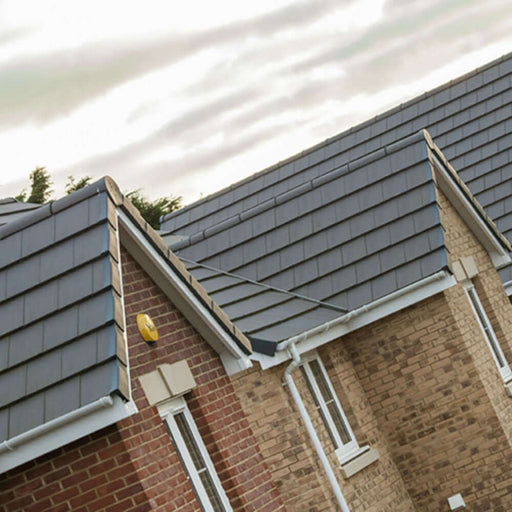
11,444
359,311
310,428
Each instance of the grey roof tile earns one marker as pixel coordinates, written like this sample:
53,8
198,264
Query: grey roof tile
13,384
57,259
25,343
96,312
38,236
71,221
11,315
4,424
40,301
10,249
62,398
98,382
26,414
81,354
44,371
91,243
60,327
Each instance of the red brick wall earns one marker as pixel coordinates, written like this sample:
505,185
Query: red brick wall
214,405
94,473
132,466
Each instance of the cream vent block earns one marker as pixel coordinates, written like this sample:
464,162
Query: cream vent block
167,381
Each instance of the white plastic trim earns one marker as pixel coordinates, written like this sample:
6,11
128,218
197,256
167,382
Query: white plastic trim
508,287
360,317
311,429
229,345
63,430
499,254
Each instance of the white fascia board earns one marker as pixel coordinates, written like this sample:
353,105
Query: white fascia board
365,315
205,323
508,287
64,430
466,209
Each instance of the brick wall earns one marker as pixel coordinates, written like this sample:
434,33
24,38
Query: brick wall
133,466
214,405
436,392
290,455
94,473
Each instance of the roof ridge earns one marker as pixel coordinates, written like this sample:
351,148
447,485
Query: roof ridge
267,286
299,190
342,134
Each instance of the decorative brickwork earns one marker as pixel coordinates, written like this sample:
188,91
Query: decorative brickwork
133,466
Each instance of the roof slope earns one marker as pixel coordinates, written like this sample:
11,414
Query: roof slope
353,235
61,321
11,209
469,118
62,327
264,313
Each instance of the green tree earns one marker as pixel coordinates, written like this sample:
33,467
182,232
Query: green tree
151,211
73,186
40,191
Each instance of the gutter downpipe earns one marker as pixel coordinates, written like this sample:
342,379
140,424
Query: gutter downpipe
359,311
310,428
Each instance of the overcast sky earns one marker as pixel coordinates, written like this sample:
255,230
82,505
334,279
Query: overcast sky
186,97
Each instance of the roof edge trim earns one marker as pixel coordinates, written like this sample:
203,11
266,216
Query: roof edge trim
64,430
468,208
357,318
209,325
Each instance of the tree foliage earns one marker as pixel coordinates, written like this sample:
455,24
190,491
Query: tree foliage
73,186
40,187
153,210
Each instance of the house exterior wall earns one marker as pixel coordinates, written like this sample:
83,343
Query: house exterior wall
436,392
289,453
133,466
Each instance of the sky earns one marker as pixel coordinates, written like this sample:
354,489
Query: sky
184,98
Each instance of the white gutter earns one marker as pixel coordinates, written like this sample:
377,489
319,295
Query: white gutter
310,428
63,430
371,312
11,444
